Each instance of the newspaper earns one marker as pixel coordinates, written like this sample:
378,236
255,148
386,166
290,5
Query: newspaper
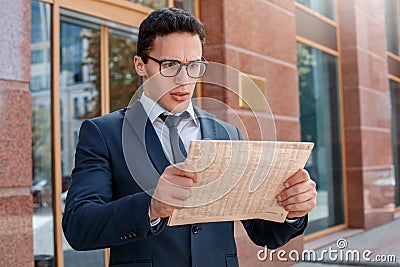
239,180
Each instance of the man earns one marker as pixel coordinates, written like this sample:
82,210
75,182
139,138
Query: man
107,206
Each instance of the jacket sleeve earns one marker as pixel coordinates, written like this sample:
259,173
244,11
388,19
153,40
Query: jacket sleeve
273,234
92,219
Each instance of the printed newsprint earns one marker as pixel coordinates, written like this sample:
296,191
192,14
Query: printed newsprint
239,179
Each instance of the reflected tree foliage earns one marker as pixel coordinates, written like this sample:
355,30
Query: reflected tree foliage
305,65
124,80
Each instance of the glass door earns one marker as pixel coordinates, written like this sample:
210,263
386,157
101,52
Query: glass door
79,100
81,90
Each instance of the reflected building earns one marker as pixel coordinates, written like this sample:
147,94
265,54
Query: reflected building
79,96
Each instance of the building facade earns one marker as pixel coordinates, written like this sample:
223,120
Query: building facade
329,70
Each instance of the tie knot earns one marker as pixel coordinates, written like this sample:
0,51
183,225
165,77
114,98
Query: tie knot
173,120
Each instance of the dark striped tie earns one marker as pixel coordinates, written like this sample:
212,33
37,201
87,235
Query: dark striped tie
172,122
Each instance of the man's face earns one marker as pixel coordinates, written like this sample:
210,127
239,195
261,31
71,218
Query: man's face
172,93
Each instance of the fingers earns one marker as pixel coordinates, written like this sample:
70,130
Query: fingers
171,188
296,189
299,196
180,181
166,199
299,177
307,205
176,175
181,169
172,191
300,205
159,209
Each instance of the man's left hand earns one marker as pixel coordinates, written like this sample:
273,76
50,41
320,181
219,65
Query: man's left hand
299,196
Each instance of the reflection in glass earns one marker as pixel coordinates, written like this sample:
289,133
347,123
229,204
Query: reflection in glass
326,8
395,106
41,189
80,100
185,4
320,123
392,26
150,3
123,78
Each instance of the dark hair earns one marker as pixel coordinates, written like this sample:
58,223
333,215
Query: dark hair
164,21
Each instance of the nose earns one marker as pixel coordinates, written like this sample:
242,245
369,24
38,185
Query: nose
182,77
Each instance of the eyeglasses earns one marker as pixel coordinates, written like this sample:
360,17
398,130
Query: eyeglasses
170,67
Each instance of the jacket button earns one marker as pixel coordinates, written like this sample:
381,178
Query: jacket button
135,233
195,229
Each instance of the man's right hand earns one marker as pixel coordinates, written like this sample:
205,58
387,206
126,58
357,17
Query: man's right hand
172,191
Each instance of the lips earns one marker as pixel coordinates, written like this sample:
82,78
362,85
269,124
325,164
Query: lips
180,95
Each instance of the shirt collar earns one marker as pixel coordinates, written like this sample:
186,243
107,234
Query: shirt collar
153,109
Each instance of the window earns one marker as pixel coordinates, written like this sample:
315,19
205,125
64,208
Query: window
72,64
80,81
150,3
392,26
326,8
320,123
76,107
37,57
185,4
123,78
41,190
395,109
40,31
37,83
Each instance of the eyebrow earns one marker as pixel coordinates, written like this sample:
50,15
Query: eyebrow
164,59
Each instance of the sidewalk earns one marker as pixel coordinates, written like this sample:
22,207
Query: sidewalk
377,247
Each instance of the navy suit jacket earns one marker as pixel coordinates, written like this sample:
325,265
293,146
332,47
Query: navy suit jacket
106,207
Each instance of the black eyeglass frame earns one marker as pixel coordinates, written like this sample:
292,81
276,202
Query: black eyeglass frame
160,62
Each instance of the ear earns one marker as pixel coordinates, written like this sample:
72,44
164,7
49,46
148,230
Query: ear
139,66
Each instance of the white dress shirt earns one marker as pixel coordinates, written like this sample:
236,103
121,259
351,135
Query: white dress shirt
188,129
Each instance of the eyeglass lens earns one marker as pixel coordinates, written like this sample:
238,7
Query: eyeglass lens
194,69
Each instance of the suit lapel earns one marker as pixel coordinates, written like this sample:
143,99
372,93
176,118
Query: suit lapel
211,128
207,124
136,118
144,130
154,149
